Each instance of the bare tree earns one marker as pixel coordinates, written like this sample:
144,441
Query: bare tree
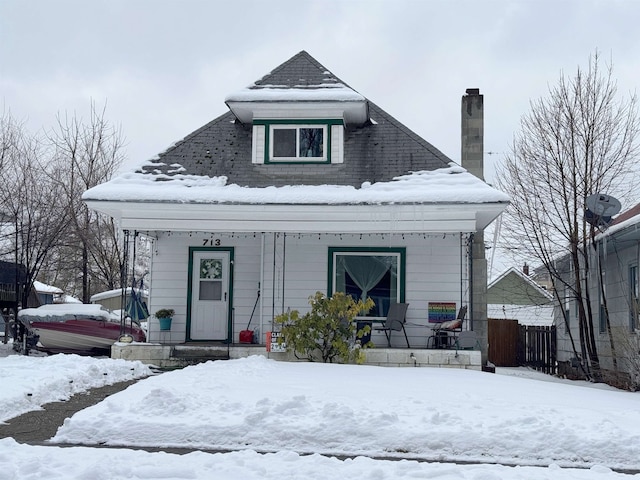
578,141
87,154
12,140
106,254
34,216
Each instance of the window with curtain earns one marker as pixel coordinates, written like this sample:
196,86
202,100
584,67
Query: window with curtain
374,274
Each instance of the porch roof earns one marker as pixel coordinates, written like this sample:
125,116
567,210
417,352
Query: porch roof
444,200
444,185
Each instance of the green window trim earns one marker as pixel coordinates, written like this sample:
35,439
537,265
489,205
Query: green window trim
399,252
326,123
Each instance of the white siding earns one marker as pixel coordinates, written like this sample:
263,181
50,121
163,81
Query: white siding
433,266
432,274
168,287
337,144
257,144
169,279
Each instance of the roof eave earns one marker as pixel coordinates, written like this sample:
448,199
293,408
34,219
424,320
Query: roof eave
344,218
352,112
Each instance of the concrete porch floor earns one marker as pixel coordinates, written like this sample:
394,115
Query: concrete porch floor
180,355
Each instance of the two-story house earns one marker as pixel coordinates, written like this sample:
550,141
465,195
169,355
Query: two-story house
303,185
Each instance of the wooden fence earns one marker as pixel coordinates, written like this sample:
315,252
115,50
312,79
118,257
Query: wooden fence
504,336
512,345
539,348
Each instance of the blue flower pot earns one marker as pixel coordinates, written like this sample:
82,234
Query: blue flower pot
165,323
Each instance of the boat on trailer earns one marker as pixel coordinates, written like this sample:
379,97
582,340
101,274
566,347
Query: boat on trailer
86,329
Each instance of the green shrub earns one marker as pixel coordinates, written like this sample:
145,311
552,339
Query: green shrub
328,330
165,313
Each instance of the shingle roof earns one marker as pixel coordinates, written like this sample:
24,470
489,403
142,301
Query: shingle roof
626,215
378,151
300,70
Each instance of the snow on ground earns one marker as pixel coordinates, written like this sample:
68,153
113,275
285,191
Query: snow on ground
28,382
50,463
546,426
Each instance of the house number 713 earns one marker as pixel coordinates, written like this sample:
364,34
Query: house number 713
211,242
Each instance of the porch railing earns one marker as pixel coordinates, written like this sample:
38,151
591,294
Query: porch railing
8,292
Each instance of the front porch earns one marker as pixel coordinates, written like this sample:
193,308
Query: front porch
181,355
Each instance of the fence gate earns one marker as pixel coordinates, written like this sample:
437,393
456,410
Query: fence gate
503,336
538,348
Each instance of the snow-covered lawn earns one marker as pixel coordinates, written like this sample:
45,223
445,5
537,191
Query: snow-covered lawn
28,382
546,426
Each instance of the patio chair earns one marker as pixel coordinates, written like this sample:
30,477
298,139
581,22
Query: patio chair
440,332
396,318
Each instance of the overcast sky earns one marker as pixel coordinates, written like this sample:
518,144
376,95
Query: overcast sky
164,67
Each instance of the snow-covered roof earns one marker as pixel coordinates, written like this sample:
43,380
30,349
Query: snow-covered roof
115,293
446,185
44,288
390,179
531,315
625,220
295,88
69,299
328,92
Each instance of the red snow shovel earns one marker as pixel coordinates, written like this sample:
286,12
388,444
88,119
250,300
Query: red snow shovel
246,336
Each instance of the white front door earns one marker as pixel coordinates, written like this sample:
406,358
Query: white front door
209,313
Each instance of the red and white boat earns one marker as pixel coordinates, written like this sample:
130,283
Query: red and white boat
77,328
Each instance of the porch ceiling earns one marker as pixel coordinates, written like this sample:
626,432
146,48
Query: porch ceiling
406,218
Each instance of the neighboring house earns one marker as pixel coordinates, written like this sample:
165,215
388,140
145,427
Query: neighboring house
618,248
11,275
48,294
112,299
513,295
304,185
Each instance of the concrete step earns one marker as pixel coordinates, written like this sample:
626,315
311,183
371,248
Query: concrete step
203,353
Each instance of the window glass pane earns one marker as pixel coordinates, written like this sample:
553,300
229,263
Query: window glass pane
311,142
210,290
284,142
211,268
373,276
633,296
567,305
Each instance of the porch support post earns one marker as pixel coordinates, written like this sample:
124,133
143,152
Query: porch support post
261,287
478,287
123,279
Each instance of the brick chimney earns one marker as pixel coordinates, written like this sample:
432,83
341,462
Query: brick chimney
472,131
525,269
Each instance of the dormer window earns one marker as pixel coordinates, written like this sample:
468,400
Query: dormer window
298,141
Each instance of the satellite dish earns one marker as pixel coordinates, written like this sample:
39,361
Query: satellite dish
600,208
